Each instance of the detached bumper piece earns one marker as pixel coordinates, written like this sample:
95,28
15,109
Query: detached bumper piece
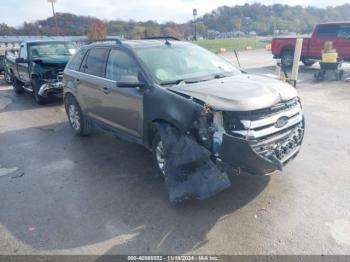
189,171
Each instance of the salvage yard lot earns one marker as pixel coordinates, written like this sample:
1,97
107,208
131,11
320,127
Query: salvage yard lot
62,194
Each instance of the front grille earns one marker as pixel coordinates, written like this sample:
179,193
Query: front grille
280,144
266,112
260,129
60,75
55,74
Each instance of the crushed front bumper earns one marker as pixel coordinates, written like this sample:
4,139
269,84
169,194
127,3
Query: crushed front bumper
238,154
264,140
47,88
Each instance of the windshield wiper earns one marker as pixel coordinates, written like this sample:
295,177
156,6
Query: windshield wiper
181,81
194,80
175,82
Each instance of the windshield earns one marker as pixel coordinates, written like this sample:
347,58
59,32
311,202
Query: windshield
184,62
51,50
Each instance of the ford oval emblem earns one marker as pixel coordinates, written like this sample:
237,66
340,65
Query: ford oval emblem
281,122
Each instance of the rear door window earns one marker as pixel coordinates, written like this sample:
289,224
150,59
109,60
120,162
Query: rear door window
328,30
119,64
95,62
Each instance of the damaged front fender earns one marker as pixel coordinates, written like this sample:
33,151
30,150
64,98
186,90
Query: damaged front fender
160,104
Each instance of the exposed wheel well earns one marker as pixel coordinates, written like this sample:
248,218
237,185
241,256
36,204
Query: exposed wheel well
33,76
152,131
67,96
287,49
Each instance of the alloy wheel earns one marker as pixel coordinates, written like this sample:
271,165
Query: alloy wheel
74,117
160,157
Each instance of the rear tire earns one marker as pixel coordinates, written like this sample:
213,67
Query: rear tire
7,77
307,62
76,118
287,58
17,86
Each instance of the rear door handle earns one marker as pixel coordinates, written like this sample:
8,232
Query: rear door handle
106,90
77,81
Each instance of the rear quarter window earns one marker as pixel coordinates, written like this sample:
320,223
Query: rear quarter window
76,60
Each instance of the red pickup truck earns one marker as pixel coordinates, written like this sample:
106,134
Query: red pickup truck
336,32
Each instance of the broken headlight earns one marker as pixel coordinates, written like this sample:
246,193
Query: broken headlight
231,122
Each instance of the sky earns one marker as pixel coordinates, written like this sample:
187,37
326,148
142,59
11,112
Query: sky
15,12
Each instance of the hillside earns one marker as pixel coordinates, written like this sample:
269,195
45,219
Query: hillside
263,19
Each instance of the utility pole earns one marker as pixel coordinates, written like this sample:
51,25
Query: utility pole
54,14
195,23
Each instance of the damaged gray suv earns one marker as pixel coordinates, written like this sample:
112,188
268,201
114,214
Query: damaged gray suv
200,116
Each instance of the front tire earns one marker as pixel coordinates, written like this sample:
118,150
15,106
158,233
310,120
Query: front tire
307,62
158,155
76,118
7,78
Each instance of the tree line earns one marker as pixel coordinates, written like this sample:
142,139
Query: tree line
260,18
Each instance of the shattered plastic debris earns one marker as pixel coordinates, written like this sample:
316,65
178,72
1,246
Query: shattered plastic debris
189,171
13,172
5,171
31,229
18,174
45,129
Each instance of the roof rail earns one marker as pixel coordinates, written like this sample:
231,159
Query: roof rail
162,37
116,40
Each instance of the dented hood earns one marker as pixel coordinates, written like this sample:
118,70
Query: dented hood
53,61
239,93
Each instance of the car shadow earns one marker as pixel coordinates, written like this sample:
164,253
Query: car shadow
78,192
25,101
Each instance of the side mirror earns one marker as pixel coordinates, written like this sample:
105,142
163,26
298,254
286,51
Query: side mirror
21,60
129,82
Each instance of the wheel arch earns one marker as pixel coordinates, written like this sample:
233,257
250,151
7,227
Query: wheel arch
34,76
66,96
152,130
287,49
